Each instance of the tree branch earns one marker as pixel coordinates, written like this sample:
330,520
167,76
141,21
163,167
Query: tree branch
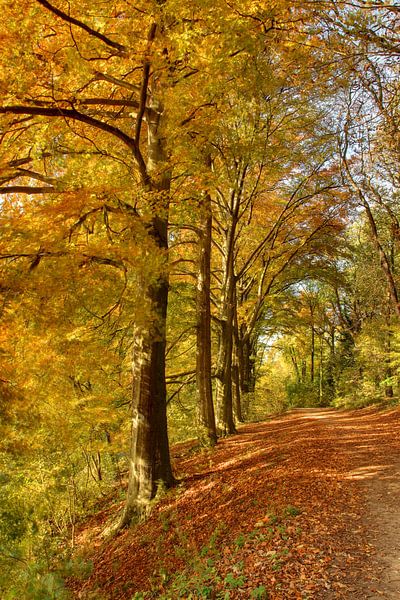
107,102
98,76
145,83
27,189
77,23
36,257
72,113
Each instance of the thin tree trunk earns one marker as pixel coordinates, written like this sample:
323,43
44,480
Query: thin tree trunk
303,371
225,422
321,372
312,368
237,401
244,353
384,260
247,375
389,393
294,363
205,410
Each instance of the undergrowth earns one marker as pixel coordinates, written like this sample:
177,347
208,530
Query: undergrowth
207,574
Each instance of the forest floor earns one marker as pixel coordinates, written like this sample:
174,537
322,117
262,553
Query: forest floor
303,506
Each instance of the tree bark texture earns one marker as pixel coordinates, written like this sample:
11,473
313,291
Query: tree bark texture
205,409
245,351
225,422
312,358
149,461
237,400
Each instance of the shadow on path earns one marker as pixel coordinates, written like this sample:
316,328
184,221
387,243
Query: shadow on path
371,442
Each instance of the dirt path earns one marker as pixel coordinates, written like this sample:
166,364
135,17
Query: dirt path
304,507
377,470
383,523
371,442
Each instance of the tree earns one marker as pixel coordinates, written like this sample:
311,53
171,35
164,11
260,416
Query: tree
68,112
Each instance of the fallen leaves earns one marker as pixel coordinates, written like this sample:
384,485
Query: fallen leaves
293,529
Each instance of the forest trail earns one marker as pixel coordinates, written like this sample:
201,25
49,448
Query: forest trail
304,506
370,441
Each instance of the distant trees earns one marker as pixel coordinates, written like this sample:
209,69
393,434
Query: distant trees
339,334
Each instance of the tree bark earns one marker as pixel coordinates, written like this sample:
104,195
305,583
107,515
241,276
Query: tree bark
245,351
312,366
205,410
389,392
303,371
293,358
149,461
225,422
321,371
248,383
383,258
237,400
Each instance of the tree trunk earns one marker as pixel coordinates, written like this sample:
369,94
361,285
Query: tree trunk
389,393
383,258
247,375
205,410
244,365
149,461
312,368
225,422
237,401
321,371
303,371
293,358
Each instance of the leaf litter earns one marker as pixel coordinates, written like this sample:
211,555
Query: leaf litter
298,507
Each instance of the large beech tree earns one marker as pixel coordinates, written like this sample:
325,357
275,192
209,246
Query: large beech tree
93,92
90,114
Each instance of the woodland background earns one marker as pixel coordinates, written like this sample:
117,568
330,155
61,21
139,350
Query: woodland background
199,223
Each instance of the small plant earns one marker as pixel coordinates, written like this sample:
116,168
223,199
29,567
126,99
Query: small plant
260,593
291,511
199,584
234,582
211,547
240,541
261,537
274,558
282,532
37,584
166,519
273,519
164,575
78,567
